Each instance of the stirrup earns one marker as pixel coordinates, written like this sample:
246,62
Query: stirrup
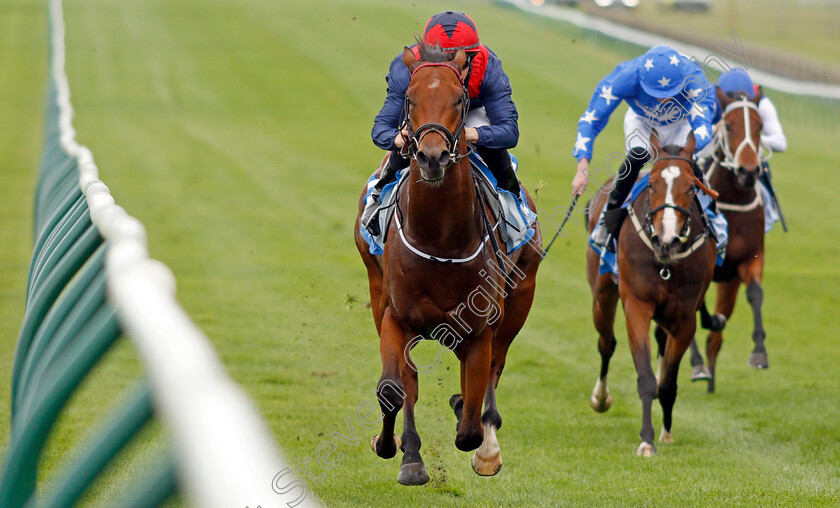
370,215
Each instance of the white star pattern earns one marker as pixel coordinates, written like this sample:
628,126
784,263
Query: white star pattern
702,132
588,117
696,110
664,81
606,94
649,64
674,60
693,94
580,144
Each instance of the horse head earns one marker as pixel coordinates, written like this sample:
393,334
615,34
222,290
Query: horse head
670,197
741,129
436,104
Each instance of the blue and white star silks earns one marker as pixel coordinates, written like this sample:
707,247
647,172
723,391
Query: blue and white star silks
660,85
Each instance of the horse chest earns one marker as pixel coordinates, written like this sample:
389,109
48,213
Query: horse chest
466,304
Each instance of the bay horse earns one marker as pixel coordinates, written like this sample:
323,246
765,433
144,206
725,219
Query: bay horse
441,275
734,174
665,263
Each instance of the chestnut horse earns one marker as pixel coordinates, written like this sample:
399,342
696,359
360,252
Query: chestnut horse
733,173
441,275
665,263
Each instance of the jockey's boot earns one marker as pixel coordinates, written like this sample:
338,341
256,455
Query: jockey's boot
614,214
370,215
499,163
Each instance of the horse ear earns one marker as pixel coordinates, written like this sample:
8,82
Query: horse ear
759,94
722,98
460,59
690,143
409,59
654,143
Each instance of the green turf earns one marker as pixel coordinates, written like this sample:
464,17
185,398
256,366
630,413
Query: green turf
238,132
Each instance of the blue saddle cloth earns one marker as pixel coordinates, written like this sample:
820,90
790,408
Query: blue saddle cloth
609,261
516,220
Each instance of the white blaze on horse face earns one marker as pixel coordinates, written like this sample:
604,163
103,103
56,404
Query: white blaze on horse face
669,219
435,83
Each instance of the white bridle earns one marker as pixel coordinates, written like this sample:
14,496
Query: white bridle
730,161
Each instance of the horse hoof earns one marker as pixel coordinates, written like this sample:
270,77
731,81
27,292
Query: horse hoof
700,373
758,361
375,440
486,467
646,450
601,399
413,474
665,437
600,405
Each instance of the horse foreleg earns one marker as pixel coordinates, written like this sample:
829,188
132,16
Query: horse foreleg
475,366
412,469
639,315
675,347
604,303
391,389
755,296
727,295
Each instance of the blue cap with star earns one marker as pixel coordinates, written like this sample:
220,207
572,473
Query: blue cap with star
662,72
736,80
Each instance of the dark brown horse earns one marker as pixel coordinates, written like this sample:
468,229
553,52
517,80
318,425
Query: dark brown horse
733,173
441,276
665,264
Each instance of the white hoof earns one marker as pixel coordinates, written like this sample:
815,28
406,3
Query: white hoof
486,466
665,436
487,459
601,399
646,450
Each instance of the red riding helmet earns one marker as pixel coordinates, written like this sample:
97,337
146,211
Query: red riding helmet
452,30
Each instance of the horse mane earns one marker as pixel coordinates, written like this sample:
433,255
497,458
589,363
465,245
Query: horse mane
672,149
433,53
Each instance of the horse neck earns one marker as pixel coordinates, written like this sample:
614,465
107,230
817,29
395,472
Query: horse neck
444,215
726,184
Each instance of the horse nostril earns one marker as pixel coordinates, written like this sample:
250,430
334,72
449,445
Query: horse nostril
674,244
444,158
655,241
422,159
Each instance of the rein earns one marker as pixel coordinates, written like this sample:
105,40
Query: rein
490,236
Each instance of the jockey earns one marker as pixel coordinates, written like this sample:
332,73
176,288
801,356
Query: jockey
491,123
665,91
738,81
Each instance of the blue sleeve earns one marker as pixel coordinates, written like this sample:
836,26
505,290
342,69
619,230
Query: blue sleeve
386,123
503,131
609,93
701,96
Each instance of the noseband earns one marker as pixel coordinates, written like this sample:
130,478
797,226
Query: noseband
409,150
650,212
730,159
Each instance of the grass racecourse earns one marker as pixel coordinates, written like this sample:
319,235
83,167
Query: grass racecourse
238,133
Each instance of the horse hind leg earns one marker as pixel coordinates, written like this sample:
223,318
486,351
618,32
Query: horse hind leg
603,314
758,357
727,295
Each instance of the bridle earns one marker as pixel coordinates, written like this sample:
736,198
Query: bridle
730,158
650,212
453,140
645,229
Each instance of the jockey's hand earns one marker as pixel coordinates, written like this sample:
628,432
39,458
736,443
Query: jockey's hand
582,177
472,134
399,140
